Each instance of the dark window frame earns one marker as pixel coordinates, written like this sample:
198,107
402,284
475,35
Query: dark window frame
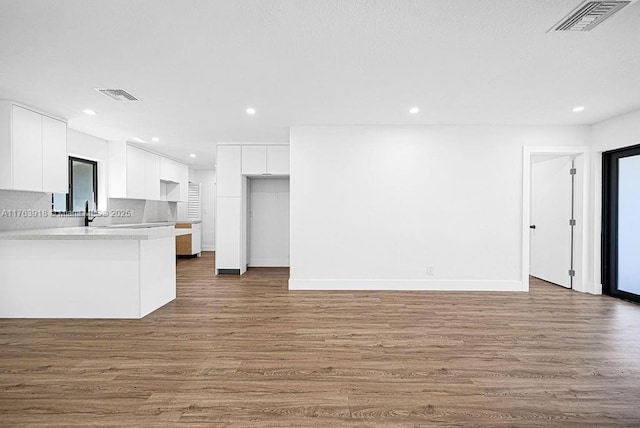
609,245
69,196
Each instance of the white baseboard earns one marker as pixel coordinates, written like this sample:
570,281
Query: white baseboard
208,247
596,288
405,285
269,263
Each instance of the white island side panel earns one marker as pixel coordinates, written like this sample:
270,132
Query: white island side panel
157,274
69,279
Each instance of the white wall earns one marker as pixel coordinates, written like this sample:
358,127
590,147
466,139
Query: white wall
373,207
207,180
268,222
620,131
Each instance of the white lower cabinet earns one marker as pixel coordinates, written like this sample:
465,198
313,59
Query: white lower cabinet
228,233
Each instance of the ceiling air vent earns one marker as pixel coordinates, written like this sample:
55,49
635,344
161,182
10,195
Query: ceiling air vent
589,15
117,94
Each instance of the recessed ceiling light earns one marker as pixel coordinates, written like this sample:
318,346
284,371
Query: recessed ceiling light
155,139
136,139
89,112
414,110
192,155
251,111
578,109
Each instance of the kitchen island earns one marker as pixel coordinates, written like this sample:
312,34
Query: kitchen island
87,272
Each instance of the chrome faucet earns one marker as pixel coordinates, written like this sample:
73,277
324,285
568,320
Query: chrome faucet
87,220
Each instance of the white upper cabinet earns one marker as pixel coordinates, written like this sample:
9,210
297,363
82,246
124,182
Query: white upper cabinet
254,160
229,171
55,175
175,178
168,170
265,160
183,175
27,149
135,173
33,150
151,176
278,160
117,169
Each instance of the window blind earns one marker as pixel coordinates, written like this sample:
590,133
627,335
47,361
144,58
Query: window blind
194,207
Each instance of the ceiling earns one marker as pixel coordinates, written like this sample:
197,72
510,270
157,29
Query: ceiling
198,64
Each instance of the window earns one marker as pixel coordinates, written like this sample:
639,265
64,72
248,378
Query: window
621,223
83,187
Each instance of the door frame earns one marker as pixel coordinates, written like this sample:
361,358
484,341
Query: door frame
580,250
609,218
245,227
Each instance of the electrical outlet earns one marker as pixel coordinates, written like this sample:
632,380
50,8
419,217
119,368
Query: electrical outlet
429,270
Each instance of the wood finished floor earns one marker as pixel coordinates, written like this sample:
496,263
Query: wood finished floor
245,351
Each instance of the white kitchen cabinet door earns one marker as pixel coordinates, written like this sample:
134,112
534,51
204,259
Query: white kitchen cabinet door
228,217
168,171
254,160
278,160
135,173
151,176
55,168
229,171
183,179
6,154
117,169
27,150
173,191
196,238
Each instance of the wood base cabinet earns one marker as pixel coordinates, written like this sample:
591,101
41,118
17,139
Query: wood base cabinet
189,245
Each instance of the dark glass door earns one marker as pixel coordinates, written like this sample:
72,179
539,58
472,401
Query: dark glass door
621,223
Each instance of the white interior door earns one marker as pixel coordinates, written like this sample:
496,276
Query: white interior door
269,222
551,199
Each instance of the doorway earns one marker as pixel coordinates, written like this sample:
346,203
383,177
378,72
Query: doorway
572,229
621,223
268,222
552,219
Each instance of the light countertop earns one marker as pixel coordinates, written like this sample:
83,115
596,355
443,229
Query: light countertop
136,225
94,233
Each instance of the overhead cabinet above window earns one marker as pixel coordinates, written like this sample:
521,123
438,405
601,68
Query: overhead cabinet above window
135,173
33,150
